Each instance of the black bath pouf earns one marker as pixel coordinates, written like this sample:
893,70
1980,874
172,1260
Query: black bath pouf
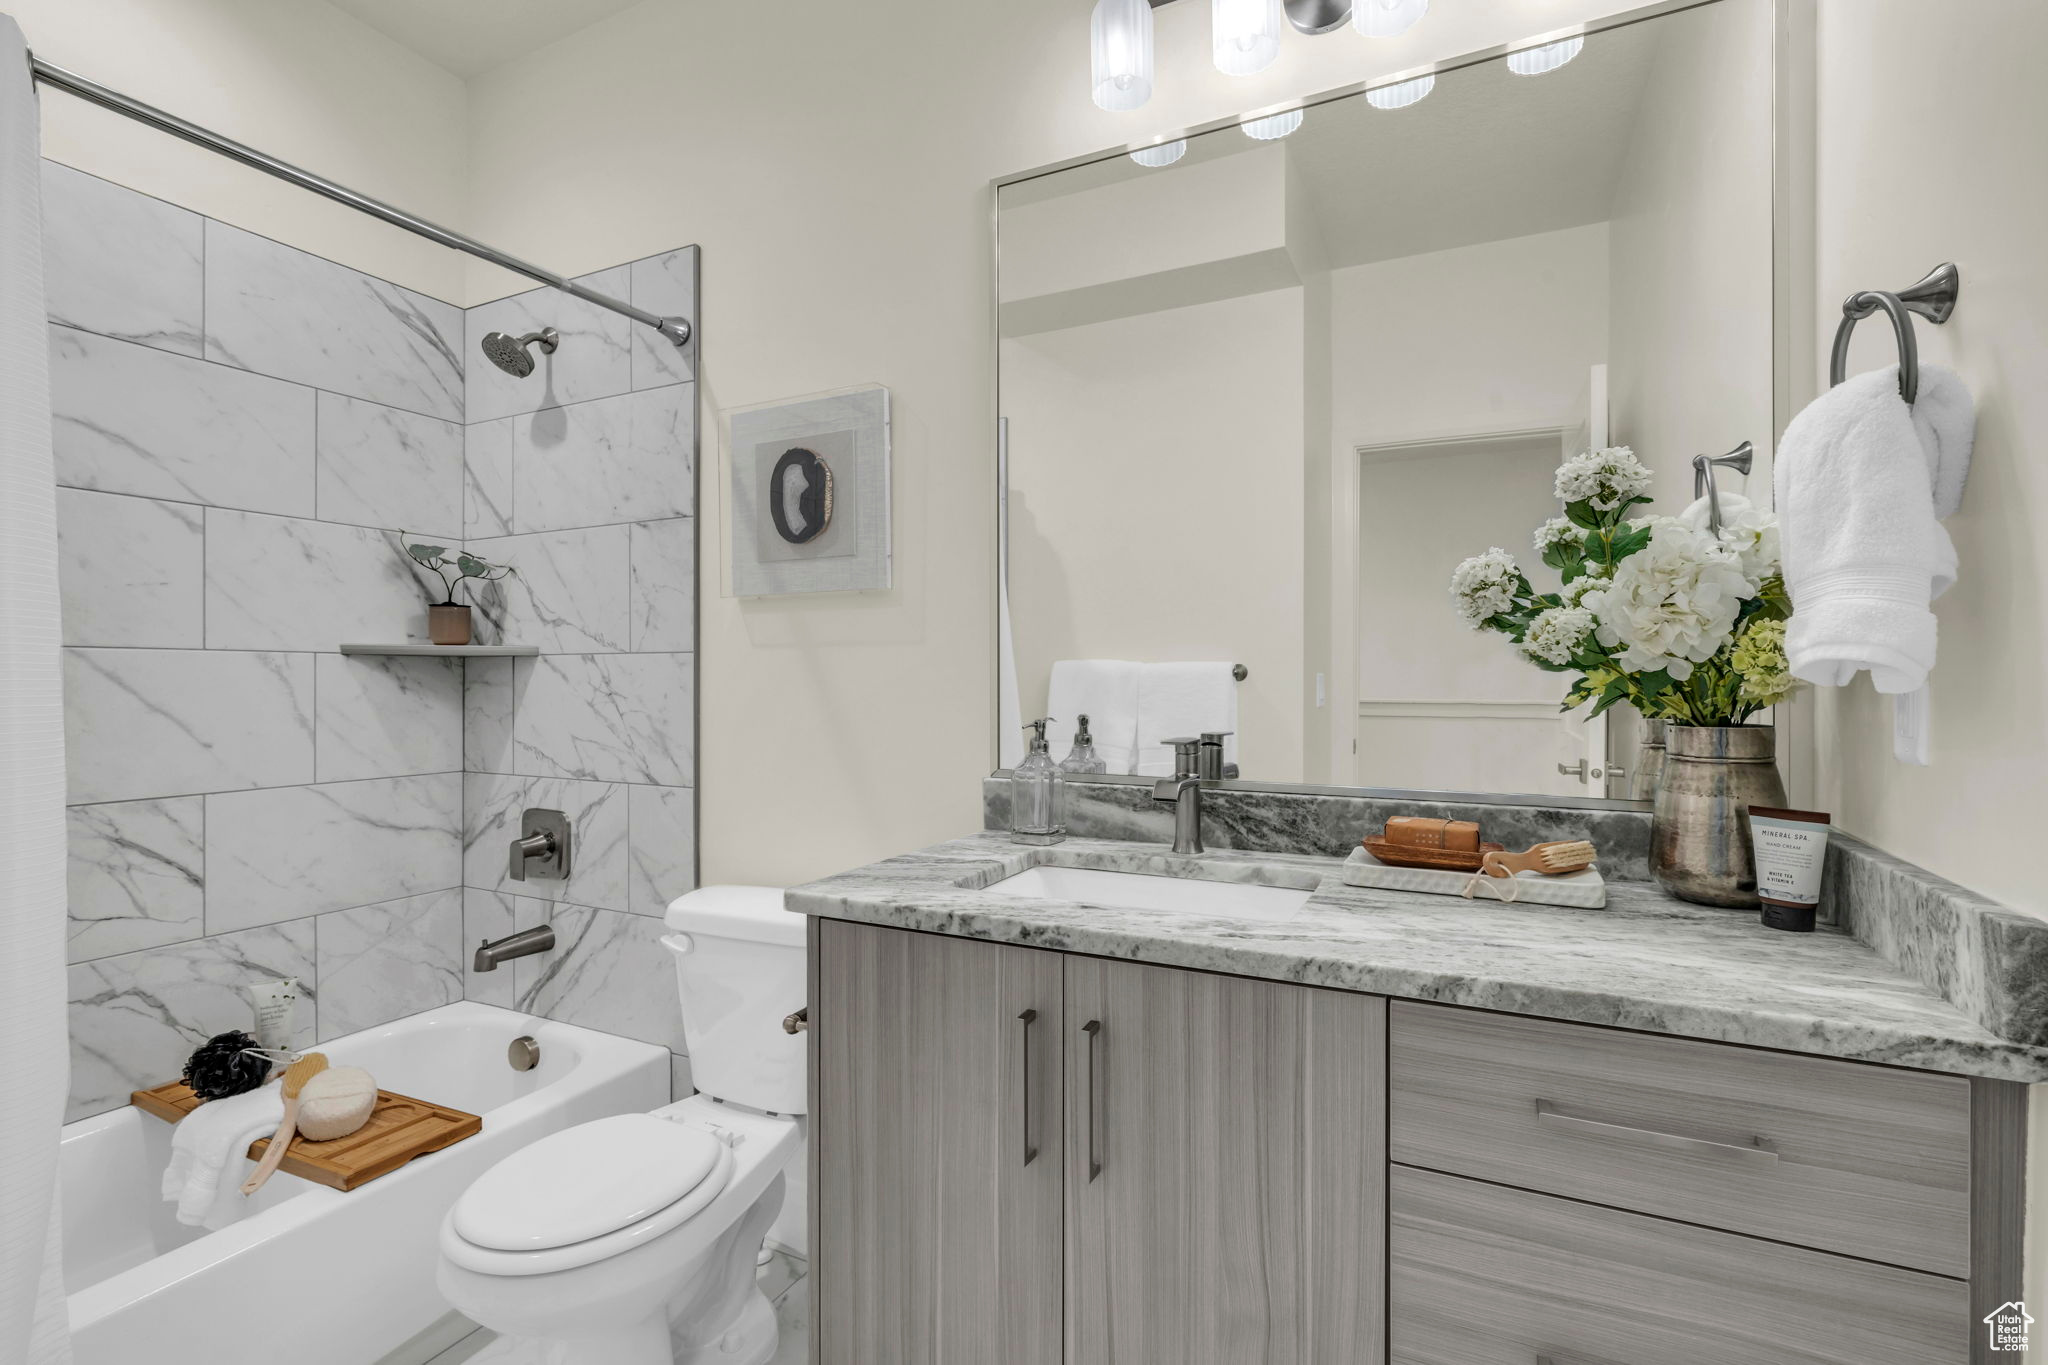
221,1067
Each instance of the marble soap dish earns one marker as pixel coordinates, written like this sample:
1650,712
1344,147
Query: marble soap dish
1585,889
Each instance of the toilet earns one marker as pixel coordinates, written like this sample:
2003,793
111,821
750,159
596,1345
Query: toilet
633,1239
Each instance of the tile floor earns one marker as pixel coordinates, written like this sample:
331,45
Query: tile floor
782,1280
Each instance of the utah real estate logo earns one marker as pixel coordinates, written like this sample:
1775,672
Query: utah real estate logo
2007,1325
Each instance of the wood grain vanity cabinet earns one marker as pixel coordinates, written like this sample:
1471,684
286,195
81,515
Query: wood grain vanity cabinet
1210,1191
1024,1157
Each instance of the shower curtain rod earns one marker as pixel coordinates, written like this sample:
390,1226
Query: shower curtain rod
675,329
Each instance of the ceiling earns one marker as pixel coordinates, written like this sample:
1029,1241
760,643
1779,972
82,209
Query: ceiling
469,37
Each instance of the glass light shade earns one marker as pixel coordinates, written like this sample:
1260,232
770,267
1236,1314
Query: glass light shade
1244,35
1165,154
1278,125
1386,18
1534,61
1120,53
1402,95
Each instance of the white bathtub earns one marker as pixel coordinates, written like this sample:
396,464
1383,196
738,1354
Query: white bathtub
313,1276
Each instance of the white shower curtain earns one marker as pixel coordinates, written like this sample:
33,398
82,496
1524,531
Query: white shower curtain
32,1030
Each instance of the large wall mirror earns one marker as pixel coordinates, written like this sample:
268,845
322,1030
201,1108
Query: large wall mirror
1262,394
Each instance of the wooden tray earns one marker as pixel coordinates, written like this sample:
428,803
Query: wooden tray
400,1128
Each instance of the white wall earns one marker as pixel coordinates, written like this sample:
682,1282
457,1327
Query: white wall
840,187
296,78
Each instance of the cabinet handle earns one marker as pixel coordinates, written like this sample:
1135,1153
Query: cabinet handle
1760,1150
1024,1022
1093,1028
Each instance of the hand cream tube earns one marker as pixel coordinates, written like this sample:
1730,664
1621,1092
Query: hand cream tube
1791,854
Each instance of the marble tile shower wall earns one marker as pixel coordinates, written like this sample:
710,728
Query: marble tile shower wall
582,477
238,426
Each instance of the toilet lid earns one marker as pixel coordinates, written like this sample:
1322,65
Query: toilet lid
586,1181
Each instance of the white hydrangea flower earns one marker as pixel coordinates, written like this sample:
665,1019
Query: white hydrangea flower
1606,478
1576,590
1556,635
1671,604
1485,585
1558,531
1750,531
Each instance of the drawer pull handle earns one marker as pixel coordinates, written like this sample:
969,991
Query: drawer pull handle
1025,1021
1758,1149
1093,1028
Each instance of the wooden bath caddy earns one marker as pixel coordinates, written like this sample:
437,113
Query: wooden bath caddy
400,1129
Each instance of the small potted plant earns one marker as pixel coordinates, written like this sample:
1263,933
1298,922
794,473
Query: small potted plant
448,622
1681,621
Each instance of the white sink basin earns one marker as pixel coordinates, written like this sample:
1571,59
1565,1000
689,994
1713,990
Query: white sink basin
1137,891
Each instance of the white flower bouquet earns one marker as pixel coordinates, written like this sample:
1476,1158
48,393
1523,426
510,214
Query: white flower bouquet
1684,625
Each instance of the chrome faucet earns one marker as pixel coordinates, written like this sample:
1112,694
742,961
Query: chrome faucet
525,943
1184,789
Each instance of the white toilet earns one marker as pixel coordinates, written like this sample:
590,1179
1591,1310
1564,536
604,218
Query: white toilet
632,1240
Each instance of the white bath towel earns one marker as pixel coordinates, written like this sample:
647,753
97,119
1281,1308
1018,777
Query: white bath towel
1180,699
1862,481
208,1149
1105,691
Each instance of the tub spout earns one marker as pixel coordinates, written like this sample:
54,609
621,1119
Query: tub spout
525,943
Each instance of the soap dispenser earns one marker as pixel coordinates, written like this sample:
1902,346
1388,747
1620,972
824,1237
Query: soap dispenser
1036,792
1082,759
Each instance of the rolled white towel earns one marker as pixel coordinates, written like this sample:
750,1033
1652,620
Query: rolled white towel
208,1147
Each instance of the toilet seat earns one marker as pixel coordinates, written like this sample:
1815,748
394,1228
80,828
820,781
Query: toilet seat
585,1194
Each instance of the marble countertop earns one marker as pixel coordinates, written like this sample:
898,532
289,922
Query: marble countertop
1647,961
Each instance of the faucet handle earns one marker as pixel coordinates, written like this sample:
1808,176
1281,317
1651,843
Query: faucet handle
1186,754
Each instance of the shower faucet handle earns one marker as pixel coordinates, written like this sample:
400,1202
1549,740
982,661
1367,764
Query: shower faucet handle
545,845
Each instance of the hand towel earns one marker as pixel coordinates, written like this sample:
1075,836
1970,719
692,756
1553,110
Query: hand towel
208,1147
1861,482
1178,699
1105,691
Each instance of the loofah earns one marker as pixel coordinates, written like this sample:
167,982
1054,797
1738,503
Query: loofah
336,1102
225,1065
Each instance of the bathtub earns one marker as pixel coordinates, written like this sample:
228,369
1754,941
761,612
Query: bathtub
315,1276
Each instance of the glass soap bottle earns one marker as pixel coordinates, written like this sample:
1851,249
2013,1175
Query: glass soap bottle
1035,793
1082,758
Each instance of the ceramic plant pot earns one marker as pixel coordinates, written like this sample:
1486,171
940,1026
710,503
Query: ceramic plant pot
1699,834
448,624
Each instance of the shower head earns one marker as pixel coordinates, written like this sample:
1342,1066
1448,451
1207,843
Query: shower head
509,353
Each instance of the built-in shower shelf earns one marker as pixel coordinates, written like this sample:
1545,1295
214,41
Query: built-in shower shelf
449,651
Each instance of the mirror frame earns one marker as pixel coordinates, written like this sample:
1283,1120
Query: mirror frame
1795,367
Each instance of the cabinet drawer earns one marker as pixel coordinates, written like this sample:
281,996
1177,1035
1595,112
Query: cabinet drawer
1483,1275
1857,1159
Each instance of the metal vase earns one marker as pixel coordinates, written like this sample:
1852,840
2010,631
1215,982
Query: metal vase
1699,834
1649,767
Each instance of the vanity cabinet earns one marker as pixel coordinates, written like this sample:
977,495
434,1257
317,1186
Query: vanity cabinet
1156,1167
1225,1170
937,1145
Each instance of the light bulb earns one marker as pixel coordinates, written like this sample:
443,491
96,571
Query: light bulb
1534,61
1275,126
1120,53
1386,18
1165,154
1402,95
1244,35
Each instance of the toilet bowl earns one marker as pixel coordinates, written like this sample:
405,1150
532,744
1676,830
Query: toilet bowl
632,1240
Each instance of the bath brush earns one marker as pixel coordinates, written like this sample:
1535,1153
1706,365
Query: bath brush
295,1077
1553,859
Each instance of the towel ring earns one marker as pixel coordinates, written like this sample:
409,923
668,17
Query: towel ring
1933,298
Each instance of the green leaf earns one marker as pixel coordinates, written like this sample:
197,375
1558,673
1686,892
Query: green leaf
426,554
1581,514
1628,542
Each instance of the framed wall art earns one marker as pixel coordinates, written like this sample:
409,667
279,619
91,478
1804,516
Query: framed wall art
810,495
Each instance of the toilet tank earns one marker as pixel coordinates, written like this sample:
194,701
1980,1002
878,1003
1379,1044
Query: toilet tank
739,960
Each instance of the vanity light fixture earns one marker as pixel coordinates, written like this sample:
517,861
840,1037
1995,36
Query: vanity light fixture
1165,154
1386,18
1535,61
1402,95
1120,54
1244,35
1273,126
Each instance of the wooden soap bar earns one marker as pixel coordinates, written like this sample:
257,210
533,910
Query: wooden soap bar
1456,836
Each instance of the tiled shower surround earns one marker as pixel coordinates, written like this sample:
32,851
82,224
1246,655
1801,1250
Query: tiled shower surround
239,427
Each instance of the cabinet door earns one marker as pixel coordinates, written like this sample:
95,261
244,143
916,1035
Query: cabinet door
938,1149
1226,1146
